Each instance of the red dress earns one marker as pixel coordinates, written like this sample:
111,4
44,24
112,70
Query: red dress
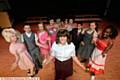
97,61
43,39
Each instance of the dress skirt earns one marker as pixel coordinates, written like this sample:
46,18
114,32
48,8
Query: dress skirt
63,69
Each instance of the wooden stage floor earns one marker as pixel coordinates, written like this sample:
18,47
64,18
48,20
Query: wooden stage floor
112,68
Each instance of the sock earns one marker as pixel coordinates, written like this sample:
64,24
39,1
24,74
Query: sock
92,78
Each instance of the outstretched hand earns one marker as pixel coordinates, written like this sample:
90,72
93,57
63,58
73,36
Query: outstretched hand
44,63
82,66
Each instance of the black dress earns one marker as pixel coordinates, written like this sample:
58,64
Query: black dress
76,38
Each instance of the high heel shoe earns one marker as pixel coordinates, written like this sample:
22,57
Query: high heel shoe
31,74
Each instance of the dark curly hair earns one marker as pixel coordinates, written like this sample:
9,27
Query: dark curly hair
114,31
63,32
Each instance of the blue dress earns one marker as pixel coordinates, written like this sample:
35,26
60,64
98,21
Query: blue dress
86,50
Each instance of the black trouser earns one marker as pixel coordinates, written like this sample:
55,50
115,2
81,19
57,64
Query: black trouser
37,59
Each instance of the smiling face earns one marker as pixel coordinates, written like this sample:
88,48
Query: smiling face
27,28
92,25
63,39
40,26
51,22
70,21
13,38
79,25
107,33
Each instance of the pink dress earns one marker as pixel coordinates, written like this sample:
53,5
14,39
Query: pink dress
43,39
25,60
97,61
53,32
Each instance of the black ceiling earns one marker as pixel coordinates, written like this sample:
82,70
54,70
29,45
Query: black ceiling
25,8
41,7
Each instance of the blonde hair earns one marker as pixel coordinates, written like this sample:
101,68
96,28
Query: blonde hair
8,32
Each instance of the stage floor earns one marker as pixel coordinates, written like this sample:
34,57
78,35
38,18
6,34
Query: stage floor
112,68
